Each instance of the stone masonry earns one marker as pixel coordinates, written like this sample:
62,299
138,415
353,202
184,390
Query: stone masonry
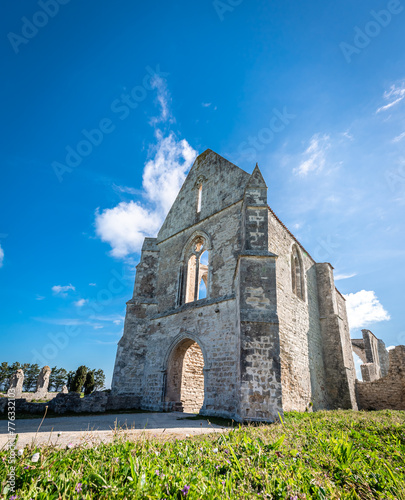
388,391
230,315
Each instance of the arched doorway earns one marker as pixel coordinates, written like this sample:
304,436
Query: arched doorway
185,377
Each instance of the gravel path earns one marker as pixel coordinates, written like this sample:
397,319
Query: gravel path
63,431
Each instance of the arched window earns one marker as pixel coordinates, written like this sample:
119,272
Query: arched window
297,274
194,277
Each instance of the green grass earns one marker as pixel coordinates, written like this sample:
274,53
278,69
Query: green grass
324,455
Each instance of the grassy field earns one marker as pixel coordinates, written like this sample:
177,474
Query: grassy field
324,455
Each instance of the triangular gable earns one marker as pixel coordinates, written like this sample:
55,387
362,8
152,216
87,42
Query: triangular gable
223,184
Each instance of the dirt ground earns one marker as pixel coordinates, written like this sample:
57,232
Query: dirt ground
93,429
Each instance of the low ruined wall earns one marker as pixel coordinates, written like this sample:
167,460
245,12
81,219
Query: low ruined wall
387,392
97,402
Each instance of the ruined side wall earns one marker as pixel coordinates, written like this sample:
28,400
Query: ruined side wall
302,366
346,346
387,392
338,358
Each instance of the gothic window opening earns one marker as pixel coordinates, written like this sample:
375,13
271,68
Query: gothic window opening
199,199
297,274
196,272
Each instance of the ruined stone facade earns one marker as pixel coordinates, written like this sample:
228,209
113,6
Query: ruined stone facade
227,285
383,374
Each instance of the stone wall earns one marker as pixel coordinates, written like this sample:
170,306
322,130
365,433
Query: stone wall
302,366
192,380
387,392
96,402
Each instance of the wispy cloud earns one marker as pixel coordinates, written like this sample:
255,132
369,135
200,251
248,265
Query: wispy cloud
126,190
344,276
164,99
80,302
92,284
364,309
1,256
62,290
39,297
314,157
395,95
399,137
348,135
206,104
117,319
126,225
65,321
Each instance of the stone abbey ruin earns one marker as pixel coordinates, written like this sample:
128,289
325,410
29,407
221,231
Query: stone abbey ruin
230,316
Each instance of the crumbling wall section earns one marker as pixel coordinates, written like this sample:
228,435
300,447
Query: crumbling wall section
387,392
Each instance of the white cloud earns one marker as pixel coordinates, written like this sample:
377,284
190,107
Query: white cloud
92,284
165,172
399,137
338,277
1,256
314,156
364,309
39,297
126,225
206,104
80,302
396,94
391,347
61,290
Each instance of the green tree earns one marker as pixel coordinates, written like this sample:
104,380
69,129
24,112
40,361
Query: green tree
4,375
79,379
58,378
69,380
89,383
31,373
99,380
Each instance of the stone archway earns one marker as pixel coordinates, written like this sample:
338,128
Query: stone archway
185,377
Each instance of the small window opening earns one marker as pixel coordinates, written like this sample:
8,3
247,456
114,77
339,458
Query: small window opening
203,276
199,199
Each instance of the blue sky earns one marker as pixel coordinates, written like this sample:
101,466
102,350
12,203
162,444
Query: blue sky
314,92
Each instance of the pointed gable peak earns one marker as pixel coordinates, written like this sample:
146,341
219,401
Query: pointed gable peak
256,179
